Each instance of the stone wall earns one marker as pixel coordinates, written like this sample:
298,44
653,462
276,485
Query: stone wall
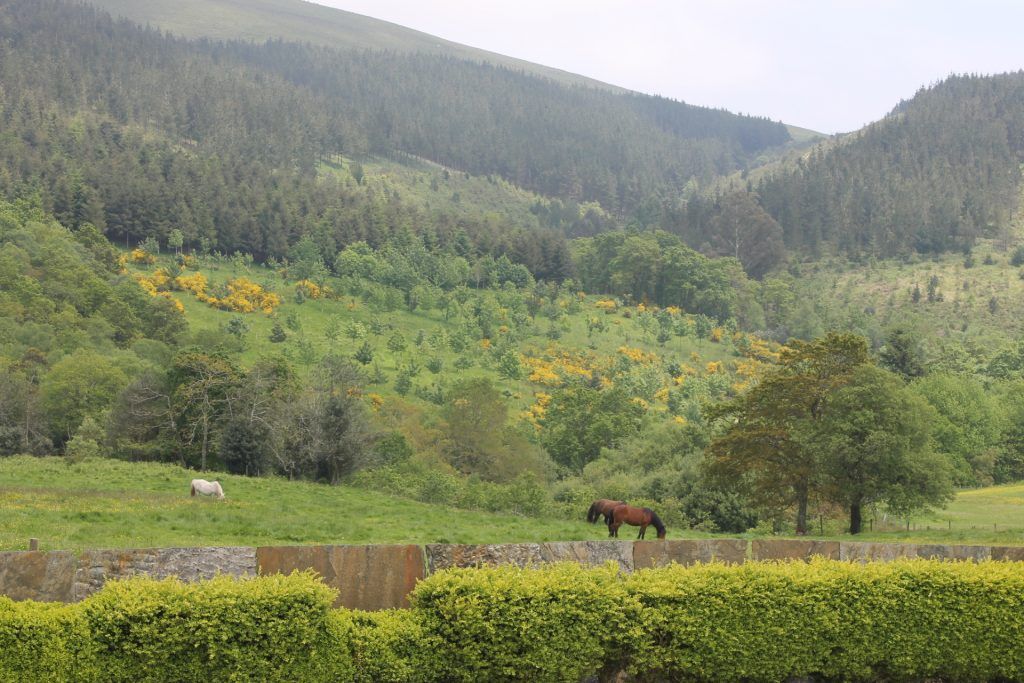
381,576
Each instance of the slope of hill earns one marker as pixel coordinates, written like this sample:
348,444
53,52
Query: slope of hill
92,125
308,22
941,171
956,304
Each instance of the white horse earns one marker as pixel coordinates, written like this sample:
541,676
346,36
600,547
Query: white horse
207,488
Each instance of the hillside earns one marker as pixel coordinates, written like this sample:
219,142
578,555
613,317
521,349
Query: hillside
302,21
91,127
937,174
971,303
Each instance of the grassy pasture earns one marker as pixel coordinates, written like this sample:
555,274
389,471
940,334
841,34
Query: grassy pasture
109,503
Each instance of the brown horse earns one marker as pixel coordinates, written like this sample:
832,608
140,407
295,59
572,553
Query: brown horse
602,507
641,517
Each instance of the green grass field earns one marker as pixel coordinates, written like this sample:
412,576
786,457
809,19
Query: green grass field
109,503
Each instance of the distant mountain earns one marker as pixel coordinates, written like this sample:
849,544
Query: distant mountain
307,22
139,131
940,172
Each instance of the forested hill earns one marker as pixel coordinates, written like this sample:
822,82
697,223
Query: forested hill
138,131
942,170
307,22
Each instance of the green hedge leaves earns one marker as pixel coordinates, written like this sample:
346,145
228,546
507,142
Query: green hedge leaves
905,620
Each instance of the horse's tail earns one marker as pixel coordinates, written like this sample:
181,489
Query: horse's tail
593,513
193,488
658,524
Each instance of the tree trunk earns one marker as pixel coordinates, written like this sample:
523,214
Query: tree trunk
855,521
206,435
801,511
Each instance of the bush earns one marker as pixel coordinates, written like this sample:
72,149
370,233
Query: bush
274,628
43,642
389,646
905,620
507,623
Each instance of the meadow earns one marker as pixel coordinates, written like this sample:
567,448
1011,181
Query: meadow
110,503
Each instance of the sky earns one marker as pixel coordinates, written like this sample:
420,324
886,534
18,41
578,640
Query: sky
828,65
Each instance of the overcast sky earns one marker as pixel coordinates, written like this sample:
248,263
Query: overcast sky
829,65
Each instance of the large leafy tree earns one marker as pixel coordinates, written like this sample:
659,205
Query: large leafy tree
745,231
580,421
966,424
760,449
203,384
80,384
872,442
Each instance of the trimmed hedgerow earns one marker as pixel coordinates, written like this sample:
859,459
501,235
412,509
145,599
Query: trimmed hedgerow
557,623
908,620
43,642
912,619
389,646
273,628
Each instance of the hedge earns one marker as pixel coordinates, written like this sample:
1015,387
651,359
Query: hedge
907,620
273,628
43,642
558,623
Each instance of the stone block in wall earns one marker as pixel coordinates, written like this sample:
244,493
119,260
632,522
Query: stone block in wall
790,549
875,552
36,575
447,555
648,554
1008,553
591,553
975,553
367,577
96,567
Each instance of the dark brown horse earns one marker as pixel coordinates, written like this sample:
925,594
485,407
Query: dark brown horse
641,517
602,507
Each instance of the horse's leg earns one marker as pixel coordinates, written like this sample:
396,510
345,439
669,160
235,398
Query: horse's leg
643,530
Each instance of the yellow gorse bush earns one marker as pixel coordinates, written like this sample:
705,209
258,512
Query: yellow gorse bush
638,355
312,290
142,257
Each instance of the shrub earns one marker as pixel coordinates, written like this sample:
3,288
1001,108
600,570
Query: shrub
507,623
905,620
43,642
268,629
389,646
